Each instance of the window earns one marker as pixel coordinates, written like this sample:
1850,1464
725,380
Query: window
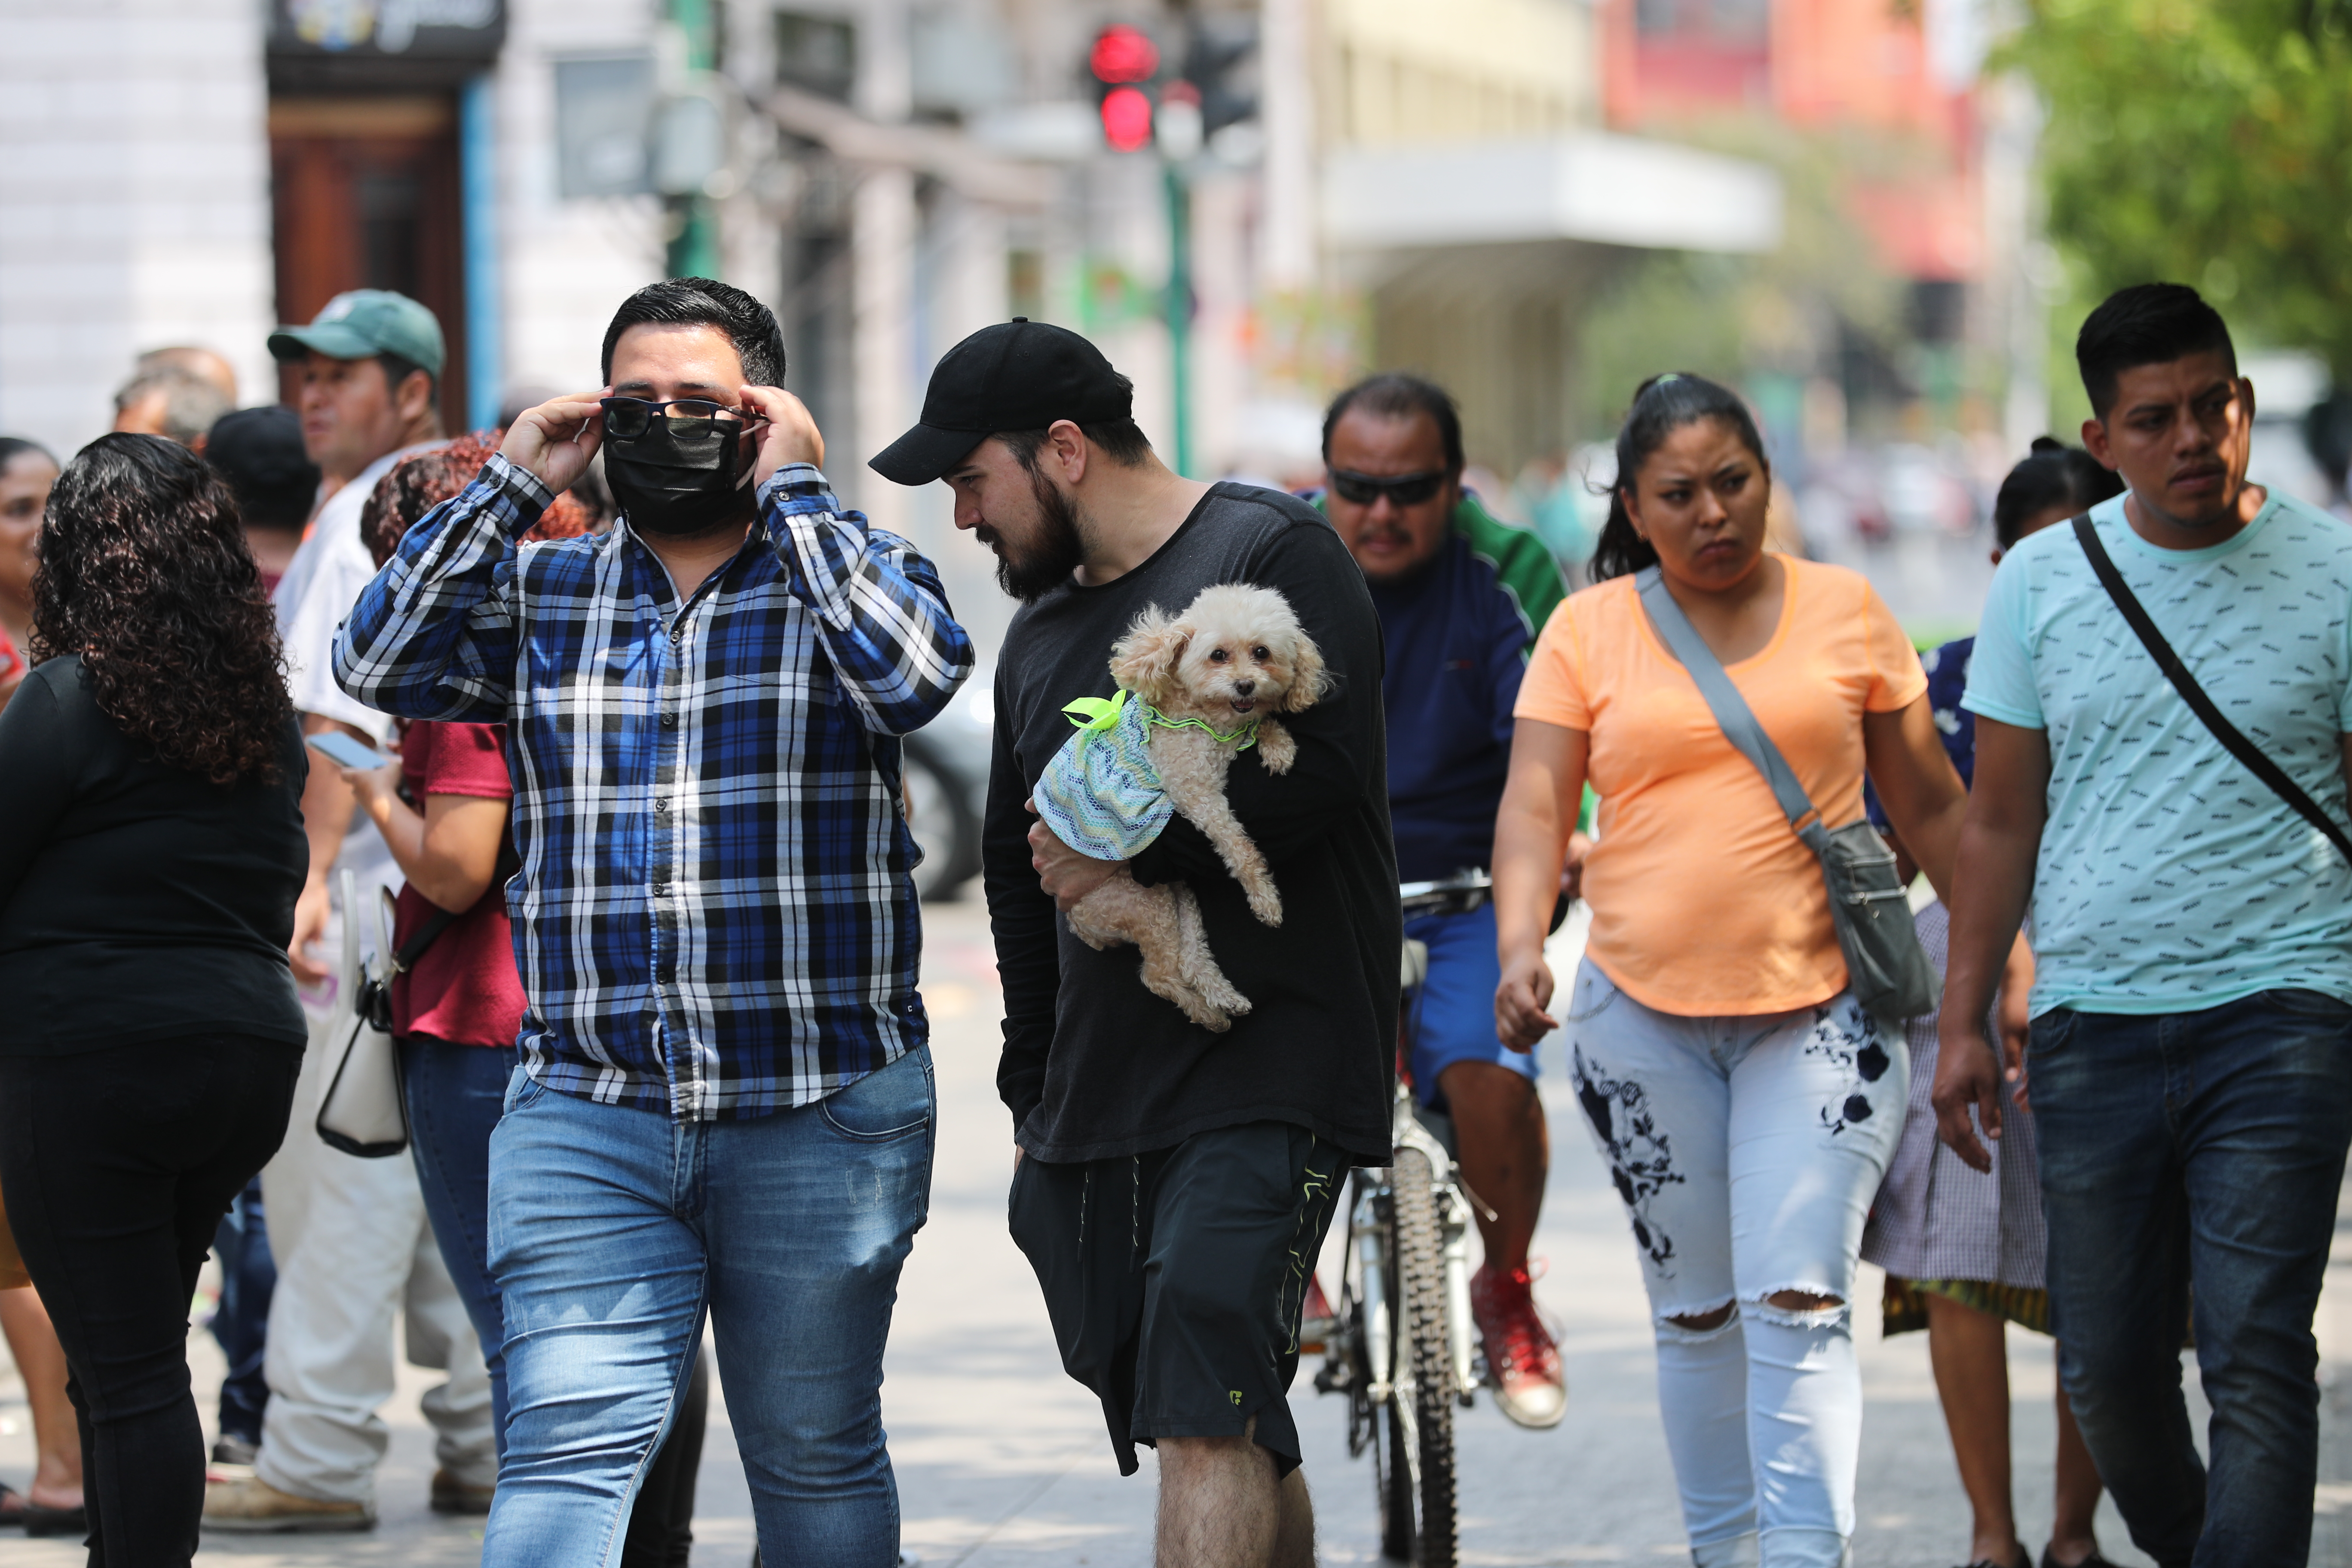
817,54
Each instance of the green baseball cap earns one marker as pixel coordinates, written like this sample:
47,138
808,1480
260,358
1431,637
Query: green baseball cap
362,323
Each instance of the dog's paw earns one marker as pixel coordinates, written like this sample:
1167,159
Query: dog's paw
1219,993
1267,906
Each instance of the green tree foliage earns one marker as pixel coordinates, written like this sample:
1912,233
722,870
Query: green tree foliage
2206,141
1735,317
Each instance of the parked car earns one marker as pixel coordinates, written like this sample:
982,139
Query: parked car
947,787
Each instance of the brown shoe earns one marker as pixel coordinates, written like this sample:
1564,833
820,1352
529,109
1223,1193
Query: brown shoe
252,1505
451,1495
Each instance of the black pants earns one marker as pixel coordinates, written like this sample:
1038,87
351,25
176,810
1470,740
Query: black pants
661,1522
118,1164
1174,1278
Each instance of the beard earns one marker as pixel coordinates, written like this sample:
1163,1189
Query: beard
1052,553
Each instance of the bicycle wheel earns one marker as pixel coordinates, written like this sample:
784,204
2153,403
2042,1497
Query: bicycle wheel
1421,1326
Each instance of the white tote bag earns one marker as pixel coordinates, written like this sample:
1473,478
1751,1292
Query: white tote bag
364,1112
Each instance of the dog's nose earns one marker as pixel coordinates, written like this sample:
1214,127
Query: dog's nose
1243,687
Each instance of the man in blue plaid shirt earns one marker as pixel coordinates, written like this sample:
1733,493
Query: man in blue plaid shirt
724,1100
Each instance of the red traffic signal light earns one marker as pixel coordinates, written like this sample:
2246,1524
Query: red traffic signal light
1127,119
1123,54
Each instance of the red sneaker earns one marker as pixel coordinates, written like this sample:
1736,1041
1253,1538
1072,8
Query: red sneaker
1522,1363
1316,1321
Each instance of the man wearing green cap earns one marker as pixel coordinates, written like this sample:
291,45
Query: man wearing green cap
351,1235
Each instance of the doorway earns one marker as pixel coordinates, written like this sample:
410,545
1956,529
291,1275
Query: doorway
364,193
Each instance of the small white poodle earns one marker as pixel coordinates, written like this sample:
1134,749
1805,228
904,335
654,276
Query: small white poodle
1196,690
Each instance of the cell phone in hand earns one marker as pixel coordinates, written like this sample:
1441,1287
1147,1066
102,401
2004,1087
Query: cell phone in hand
346,751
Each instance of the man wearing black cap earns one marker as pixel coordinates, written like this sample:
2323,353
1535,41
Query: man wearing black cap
1220,1155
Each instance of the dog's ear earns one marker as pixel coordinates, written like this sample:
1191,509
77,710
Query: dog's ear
1308,681
1144,660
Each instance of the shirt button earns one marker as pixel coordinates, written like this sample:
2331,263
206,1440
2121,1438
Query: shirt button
661,807
669,719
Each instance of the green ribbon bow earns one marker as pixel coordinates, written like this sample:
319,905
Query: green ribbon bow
1096,713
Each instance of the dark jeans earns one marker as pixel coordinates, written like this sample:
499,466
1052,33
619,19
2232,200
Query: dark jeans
241,1323
2210,1144
118,1164
455,1094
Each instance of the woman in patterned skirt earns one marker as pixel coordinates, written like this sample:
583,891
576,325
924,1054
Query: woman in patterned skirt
1963,1251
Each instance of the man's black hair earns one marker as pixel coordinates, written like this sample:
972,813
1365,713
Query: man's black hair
2148,323
706,302
1121,440
1395,395
396,370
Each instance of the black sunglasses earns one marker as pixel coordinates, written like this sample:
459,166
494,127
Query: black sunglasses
691,418
1404,490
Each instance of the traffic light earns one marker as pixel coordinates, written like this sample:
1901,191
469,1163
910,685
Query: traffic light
1123,59
1221,61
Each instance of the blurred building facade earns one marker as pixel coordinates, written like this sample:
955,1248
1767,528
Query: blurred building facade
1339,184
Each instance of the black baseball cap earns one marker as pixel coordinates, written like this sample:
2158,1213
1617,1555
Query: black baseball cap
259,452
1018,375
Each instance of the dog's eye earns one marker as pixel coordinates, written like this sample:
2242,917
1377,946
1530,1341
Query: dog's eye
1218,655
1260,655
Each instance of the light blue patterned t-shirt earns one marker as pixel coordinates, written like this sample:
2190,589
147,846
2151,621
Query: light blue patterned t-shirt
2169,877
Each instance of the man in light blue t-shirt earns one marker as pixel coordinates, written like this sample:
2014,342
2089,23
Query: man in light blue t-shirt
2190,1060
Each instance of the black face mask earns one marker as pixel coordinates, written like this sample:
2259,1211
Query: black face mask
671,484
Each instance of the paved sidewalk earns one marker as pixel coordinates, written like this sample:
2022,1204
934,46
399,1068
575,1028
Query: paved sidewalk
1002,1461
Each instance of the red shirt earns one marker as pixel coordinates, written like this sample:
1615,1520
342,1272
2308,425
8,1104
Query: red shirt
12,663
463,988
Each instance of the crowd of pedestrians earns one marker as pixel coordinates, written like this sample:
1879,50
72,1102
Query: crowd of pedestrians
351,744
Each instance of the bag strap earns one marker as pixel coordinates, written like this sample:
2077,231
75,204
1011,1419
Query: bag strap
1732,714
2233,739
509,862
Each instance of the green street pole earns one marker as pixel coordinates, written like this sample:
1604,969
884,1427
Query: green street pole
1180,310
693,221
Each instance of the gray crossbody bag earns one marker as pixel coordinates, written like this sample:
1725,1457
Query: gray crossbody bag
1885,967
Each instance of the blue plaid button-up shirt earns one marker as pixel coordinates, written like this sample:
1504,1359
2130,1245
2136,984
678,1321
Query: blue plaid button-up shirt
714,915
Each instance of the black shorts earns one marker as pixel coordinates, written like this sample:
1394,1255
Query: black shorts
1174,1278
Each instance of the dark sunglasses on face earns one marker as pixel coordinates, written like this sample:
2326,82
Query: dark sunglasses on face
1404,490
689,417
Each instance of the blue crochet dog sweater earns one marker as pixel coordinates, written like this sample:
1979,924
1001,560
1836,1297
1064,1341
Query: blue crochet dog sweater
1101,793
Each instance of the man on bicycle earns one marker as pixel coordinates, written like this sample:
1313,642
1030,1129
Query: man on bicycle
1461,597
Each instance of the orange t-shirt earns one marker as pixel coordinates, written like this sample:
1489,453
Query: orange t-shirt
1704,902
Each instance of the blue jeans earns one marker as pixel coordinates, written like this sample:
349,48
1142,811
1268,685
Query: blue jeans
241,1324
2207,1144
613,1231
455,1094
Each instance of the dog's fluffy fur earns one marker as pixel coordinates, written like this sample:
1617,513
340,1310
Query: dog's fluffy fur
1237,652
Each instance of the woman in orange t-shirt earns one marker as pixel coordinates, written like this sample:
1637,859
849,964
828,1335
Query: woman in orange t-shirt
1746,1105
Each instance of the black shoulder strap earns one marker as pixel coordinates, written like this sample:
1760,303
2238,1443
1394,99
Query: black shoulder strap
424,936
2236,744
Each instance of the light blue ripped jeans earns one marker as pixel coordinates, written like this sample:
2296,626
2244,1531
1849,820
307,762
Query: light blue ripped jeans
1747,1151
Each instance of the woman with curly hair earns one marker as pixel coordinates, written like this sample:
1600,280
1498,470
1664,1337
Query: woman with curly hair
151,775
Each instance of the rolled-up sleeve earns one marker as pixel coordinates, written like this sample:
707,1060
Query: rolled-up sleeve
895,646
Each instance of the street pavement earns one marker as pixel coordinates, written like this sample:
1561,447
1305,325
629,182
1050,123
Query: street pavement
1002,1461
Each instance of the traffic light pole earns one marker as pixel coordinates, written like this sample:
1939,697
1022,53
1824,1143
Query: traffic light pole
1180,308
693,222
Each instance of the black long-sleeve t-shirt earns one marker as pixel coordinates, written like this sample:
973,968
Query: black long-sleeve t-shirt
1095,1066
138,901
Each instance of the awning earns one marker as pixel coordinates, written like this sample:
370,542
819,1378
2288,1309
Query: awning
1605,189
